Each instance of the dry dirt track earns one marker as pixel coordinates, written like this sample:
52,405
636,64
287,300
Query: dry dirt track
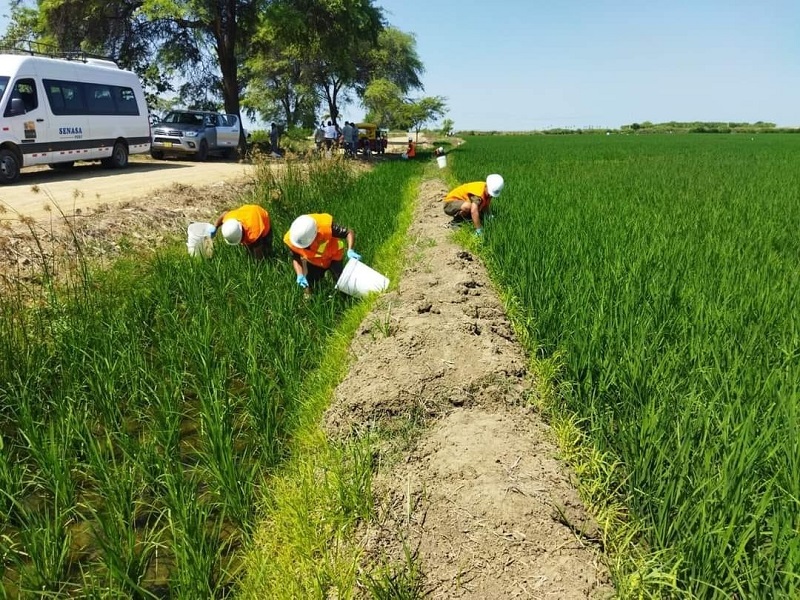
90,185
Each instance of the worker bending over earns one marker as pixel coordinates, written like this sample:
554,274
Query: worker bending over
318,245
472,200
248,225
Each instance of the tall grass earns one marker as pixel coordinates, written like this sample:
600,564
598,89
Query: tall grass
662,271
304,548
142,407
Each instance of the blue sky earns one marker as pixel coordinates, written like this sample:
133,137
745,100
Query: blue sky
522,65
529,64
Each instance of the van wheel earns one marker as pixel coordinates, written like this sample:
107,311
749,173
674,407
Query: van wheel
118,158
62,165
202,152
9,166
157,154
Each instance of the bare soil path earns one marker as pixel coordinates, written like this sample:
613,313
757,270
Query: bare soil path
479,494
89,185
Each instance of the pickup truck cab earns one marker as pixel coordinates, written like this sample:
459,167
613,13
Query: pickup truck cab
196,133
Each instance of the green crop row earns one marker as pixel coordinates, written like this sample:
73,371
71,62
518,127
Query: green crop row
663,272
141,409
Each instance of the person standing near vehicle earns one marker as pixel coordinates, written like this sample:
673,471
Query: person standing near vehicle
354,139
330,135
319,136
248,225
347,138
274,139
472,200
318,245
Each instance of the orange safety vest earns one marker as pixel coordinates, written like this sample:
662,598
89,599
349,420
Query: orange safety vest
254,220
325,248
466,191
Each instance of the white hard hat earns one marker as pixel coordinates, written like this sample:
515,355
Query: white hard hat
232,231
303,231
494,185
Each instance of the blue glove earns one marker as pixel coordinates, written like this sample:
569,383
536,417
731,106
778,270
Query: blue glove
212,230
302,281
479,231
353,254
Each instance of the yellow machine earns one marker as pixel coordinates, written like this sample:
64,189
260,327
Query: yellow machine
370,138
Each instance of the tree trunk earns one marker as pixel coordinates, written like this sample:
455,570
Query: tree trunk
225,32
331,93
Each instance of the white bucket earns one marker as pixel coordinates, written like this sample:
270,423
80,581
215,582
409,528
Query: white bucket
442,160
199,242
357,279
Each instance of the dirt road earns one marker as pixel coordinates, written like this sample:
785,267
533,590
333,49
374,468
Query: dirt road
90,185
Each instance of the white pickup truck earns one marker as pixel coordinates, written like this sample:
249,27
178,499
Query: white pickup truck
195,132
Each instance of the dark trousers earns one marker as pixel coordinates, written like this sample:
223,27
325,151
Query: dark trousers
262,247
316,273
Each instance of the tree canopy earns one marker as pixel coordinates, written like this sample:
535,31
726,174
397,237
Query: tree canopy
278,59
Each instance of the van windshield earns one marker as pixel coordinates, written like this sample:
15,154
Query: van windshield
3,85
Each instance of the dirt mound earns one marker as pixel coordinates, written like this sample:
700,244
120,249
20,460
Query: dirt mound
480,494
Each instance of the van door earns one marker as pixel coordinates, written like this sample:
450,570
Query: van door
24,116
228,131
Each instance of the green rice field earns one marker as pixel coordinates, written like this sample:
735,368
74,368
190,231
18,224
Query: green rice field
142,409
662,274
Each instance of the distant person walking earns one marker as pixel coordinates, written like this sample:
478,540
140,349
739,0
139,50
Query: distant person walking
472,200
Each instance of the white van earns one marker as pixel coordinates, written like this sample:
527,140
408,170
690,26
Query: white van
55,111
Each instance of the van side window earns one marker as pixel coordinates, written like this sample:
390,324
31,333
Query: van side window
126,101
76,98
54,97
65,97
99,99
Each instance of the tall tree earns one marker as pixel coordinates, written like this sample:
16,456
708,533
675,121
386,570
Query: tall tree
334,37
384,102
387,105
195,30
395,59
109,28
279,82
199,39
420,111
